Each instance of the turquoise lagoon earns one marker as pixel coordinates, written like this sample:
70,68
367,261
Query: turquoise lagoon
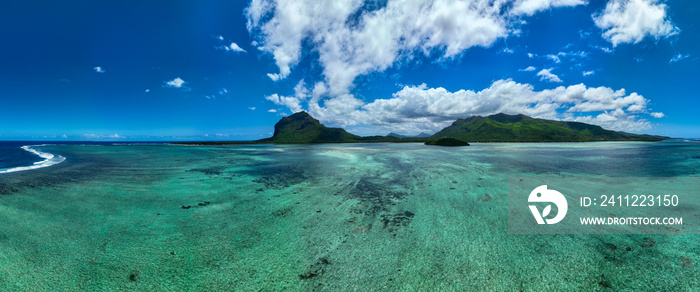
334,217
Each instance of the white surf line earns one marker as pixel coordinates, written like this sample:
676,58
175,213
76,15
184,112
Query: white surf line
49,159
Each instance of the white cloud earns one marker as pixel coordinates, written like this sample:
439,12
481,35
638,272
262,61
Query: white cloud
291,102
528,69
583,34
272,111
234,47
658,115
103,137
554,58
588,73
678,57
275,77
252,108
221,38
630,21
350,39
530,7
571,55
99,69
147,91
176,83
353,39
604,49
547,75
223,91
507,51
530,55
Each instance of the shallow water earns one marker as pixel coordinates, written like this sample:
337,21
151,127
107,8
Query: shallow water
366,217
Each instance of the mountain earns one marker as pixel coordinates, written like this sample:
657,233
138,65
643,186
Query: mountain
421,135
521,128
392,134
302,128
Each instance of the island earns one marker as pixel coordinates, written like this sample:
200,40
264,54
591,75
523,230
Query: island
302,128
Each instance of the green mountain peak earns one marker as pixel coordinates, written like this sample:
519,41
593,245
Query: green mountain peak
521,128
303,128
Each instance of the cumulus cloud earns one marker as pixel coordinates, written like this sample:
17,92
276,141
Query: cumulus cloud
630,21
588,73
528,69
530,7
176,83
353,38
275,77
677,58
658,115
252,108
99,69
418,108
235,48
272,111
547,75
291,102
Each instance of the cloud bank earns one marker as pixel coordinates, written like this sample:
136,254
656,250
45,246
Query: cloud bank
415,109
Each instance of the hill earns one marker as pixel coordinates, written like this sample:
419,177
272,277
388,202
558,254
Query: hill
521,128
302,128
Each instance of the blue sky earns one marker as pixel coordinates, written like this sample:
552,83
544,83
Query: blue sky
228,70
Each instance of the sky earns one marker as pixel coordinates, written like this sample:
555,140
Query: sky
229,70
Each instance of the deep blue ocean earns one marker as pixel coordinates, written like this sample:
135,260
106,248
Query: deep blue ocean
12,155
